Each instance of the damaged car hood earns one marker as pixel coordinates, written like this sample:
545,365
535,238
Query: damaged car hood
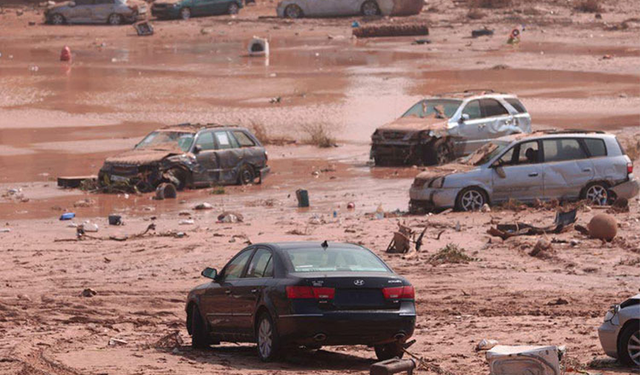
142,156
414,123
445,170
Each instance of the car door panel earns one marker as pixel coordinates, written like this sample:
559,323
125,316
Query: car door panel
229,156
81,13
468,130
523,178
566,168
225,305
250,288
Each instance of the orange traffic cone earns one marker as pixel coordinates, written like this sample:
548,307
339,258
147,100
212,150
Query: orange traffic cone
65,54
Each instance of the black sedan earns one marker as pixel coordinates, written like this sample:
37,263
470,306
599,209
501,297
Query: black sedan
283,295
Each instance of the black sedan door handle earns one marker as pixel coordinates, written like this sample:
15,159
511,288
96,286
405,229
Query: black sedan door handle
533,174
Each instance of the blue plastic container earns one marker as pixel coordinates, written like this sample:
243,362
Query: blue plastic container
67,216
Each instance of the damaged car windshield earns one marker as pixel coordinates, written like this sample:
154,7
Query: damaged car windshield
164,140
426,108
485,153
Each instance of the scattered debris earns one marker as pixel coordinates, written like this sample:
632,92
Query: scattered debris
87,202
421,41
230,217
486,344
563,221
169,341
143,28
620,205
485,208
351,206
88,226
88,293
186,222
373,31
603,226
114,342
203,206
393,366
65,54
451,253
481,32
541,249
74,182
303,198
258,47
5,230
402,239
540,360
166,190
67,216
115,219
558,302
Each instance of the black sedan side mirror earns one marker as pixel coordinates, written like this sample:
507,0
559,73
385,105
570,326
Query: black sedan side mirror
210,273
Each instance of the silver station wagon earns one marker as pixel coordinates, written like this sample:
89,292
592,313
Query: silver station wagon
112,12
563,165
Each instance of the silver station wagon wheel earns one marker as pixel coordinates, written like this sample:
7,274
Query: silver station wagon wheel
471,199
597,194
370,8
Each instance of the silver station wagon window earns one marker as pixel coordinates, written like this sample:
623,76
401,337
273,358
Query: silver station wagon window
562,150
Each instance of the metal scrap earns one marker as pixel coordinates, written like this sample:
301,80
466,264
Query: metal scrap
563,221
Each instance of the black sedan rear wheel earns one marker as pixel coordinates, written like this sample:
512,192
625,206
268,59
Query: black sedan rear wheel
199,334
388,351
246,175
267,338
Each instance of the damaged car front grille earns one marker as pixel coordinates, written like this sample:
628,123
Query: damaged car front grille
126,170
393,135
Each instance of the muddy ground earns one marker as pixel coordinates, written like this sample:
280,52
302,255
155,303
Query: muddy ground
571,71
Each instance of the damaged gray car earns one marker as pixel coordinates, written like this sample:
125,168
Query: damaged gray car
188,155
337,8
439,129
620,332
562,165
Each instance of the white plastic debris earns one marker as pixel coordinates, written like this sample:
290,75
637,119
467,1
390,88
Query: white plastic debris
90,227
538,360
114,342
5,230
486,344
186,222
258,47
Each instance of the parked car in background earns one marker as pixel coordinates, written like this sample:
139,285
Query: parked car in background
563,165
436,130
188,155
282,295
333,8
185,9
620,332
112,12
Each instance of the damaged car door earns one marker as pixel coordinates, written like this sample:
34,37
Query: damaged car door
229,155
469,127
207,159
567,168
498,120
518,174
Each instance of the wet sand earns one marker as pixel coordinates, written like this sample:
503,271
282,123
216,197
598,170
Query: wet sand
64,119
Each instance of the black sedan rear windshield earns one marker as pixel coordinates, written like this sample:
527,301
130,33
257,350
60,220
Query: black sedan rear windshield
334,260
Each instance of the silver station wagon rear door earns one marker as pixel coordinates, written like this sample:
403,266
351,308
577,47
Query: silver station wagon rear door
567,168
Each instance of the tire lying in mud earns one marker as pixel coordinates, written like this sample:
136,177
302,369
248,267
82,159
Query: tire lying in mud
166,190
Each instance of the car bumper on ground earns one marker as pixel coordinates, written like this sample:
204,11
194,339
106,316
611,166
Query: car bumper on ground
627,189
433,198
608,334
346,328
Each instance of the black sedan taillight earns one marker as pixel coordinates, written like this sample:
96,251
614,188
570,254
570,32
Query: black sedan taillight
308,292
400,292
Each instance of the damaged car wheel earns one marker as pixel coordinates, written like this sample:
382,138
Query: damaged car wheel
246,175
185,13
233,9
56,19
293,11
471,199
115,19
370,8
439,153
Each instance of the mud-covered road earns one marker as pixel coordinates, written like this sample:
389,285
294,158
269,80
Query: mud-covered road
570,70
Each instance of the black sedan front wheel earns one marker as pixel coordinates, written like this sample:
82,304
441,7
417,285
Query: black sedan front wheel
388,351
199,334
268,339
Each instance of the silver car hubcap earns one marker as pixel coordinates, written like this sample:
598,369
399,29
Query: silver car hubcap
597,194
233,9
185,13
472,200
633,347
114,19
56,19
370,9
264,338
